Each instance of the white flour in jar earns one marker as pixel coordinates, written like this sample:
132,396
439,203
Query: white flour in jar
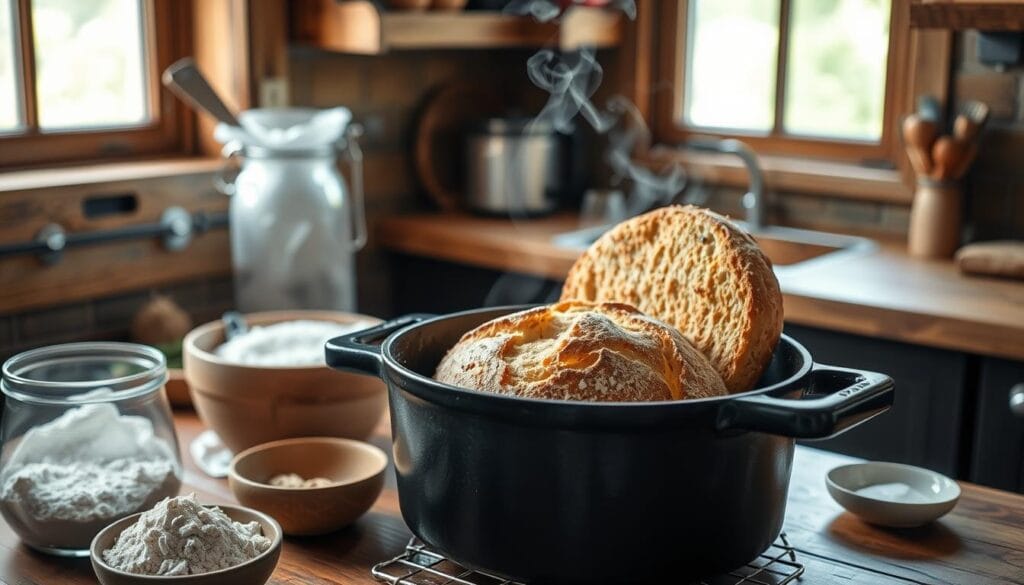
289,343
70,477
179,536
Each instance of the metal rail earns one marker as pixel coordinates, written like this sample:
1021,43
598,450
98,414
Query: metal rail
175,229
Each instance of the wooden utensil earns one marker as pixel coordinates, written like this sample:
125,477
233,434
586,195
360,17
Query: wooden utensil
948,154
918,136
186,81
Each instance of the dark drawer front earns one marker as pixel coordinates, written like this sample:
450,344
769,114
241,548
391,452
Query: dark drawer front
924,426
998,459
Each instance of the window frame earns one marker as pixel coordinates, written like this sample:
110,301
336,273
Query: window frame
918,64
167,25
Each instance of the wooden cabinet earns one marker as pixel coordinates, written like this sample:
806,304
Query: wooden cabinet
924,427
998,453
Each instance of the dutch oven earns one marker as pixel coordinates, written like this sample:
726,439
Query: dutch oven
549,491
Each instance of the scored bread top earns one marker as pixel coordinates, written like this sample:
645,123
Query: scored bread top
580,351
696,271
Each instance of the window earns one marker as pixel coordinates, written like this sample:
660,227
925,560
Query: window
79,79
811,78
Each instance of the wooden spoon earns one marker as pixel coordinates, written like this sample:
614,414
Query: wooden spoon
186,81
918,136
949,154
964,128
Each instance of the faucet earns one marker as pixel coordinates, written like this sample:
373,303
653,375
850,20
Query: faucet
754,199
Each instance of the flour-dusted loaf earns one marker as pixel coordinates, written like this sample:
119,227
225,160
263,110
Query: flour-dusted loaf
696,271
580,351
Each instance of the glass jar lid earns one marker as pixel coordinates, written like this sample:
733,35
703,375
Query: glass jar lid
66,373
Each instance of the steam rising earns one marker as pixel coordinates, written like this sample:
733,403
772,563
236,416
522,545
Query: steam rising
571,81
571,85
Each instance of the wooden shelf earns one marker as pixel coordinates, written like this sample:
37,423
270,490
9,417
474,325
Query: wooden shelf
968,14
360,27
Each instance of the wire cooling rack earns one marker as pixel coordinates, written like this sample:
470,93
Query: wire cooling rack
418,565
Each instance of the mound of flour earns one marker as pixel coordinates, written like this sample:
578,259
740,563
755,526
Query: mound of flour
181,537
85,491
289,343
68,478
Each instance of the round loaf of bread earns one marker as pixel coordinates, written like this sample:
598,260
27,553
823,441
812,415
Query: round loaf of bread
580,351
696,271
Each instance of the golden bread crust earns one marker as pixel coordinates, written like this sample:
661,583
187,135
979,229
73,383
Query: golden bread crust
580,351
696,271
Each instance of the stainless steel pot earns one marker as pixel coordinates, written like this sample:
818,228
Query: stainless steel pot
550,491
513,167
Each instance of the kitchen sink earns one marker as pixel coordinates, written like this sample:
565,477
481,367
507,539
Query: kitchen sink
788,248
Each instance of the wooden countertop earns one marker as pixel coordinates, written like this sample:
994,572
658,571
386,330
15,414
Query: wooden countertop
979,542
882,293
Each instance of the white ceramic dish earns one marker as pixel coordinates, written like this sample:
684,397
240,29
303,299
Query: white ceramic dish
892,494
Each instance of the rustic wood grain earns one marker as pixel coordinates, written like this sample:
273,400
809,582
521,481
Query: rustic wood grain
359,27
980,542
967,14
32,199
883,293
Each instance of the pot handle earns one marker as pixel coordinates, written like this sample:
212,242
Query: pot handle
359,351
851,397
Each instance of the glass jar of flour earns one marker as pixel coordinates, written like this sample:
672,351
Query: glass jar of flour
296,224
87,439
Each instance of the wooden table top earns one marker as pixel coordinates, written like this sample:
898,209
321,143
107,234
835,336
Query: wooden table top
882,293
980,542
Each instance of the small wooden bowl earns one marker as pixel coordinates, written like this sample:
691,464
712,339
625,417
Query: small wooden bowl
253,572
355,468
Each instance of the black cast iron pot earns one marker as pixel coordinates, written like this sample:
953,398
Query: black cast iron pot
552,491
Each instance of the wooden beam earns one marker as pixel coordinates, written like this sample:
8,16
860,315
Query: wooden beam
968,14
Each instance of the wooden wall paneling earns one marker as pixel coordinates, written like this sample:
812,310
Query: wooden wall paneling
268,47
993,15
221,50
636,58
91,271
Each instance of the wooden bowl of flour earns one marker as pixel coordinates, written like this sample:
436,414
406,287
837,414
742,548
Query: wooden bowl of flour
256,571
247,405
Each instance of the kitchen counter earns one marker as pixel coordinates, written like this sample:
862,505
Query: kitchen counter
979,542
882,293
